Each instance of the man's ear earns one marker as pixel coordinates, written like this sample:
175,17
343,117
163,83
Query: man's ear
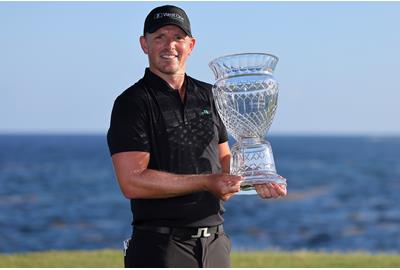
191,45
143,44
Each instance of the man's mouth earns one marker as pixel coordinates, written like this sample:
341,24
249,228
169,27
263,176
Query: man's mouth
168,56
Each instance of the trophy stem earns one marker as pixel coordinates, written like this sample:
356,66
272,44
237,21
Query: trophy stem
252,158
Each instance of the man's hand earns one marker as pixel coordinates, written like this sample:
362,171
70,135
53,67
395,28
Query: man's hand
271,190
224,186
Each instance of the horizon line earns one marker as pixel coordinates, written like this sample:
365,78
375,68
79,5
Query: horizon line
273,134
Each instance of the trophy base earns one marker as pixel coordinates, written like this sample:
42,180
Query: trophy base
247,187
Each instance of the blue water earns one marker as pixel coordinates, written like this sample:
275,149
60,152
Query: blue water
59,192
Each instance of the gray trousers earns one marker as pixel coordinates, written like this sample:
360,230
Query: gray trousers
152,249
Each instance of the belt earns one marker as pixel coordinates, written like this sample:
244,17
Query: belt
183,232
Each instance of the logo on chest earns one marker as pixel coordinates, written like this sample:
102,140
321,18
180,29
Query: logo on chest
205,112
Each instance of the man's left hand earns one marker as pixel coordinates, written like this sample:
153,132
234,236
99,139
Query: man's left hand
271,190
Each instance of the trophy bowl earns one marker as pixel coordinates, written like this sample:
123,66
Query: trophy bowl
246,97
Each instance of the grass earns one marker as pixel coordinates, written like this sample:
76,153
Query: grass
113,258
314,259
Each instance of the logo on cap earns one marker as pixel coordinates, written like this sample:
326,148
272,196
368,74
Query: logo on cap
169,15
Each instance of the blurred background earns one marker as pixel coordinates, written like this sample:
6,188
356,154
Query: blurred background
335,135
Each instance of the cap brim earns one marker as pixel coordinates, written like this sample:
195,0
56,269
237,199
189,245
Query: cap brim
155,28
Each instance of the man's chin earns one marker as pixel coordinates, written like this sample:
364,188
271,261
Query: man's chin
170,71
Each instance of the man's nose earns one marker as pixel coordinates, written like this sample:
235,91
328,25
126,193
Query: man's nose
170,43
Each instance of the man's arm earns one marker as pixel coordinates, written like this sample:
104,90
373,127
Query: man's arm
225,157
136,181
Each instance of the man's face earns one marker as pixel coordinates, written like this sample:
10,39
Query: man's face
167,49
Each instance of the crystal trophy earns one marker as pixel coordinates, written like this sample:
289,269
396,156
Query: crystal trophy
246,97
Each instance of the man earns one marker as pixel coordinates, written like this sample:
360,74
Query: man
171,156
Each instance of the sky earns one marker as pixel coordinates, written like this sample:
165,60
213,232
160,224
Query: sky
62,64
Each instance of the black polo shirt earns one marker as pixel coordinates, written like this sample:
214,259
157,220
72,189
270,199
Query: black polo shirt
181,137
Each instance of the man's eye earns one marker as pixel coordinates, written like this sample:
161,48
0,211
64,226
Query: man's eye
159,37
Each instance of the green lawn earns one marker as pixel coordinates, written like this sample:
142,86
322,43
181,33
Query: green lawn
113,258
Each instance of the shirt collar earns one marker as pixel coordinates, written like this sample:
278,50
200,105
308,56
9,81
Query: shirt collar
156,82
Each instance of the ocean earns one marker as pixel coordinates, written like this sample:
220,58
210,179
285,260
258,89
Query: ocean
58,192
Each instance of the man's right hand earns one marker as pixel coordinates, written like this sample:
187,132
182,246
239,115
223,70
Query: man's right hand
224,186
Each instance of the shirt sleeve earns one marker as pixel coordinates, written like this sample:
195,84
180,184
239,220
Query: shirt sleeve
222,133
129,129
